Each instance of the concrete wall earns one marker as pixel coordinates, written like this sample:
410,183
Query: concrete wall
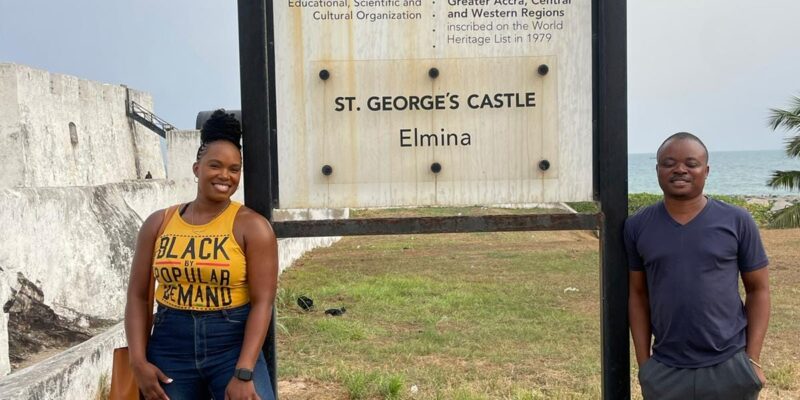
76,243
5,294
72,203
79,372
11,134
82,235
181,153
59,130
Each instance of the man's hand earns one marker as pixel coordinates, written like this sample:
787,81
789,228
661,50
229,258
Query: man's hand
240,390
760,375
759,372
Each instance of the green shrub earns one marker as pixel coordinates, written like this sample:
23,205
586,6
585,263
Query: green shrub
391,387
637,201
761,214
584,206
357,385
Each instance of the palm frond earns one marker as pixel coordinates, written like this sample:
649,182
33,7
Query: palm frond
785,179
793,146
783,119
788,119
787,218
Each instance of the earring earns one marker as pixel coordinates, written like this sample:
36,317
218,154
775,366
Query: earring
196,180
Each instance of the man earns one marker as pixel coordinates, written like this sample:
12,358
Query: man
686,254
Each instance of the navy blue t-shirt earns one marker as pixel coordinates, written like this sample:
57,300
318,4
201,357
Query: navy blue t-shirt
696,314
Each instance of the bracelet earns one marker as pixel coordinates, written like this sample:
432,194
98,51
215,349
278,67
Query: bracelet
756,364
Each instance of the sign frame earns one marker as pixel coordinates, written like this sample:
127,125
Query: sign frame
610,183
387,113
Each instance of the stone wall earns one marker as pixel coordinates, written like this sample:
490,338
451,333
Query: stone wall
59,130
73,199
80,372
84,236
181,153
75,244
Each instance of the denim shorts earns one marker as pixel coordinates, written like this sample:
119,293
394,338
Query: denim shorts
199,351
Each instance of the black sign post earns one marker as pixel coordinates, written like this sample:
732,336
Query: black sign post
256,49
611,189
257,114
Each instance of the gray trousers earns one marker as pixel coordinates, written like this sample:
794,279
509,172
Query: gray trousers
733,379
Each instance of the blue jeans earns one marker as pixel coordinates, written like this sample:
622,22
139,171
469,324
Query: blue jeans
199,351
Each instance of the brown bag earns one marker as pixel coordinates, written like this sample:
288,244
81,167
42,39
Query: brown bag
123,383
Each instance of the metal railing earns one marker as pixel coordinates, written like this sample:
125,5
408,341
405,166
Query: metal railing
148,119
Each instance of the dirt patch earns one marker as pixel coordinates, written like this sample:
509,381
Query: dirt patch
310,389
780,355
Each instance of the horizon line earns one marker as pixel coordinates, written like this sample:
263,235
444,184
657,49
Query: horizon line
714,151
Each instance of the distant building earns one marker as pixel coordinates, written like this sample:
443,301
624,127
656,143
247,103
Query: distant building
59,130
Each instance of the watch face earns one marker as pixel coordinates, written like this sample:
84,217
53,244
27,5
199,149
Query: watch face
244,374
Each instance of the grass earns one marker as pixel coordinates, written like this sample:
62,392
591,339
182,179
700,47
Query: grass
391,387
782,377
357,384
475,316
761,213
446,211
446,313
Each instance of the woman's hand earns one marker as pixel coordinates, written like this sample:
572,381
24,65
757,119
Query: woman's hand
147,377
240,390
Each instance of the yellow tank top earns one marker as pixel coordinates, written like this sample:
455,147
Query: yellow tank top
200,267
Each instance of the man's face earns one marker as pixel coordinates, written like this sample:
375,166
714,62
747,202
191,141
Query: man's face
682,169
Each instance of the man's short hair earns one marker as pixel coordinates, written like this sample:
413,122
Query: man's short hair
682,136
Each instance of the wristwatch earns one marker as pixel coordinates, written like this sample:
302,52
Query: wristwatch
243,374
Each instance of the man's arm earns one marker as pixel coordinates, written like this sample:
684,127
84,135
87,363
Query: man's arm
757,306
639,315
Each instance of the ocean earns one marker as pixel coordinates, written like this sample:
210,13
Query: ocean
732,172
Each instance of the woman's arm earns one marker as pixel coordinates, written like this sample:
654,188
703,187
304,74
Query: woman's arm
136,312
261,253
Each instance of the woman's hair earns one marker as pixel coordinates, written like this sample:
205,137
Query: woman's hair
220,126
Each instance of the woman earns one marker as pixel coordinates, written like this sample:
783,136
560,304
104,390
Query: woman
216,267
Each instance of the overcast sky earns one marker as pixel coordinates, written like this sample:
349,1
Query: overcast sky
711,67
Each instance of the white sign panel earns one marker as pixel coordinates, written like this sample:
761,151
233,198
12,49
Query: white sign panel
441,102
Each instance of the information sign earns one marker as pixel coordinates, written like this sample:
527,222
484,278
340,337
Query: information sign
435,102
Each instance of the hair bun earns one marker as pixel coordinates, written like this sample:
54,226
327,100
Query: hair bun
222,126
